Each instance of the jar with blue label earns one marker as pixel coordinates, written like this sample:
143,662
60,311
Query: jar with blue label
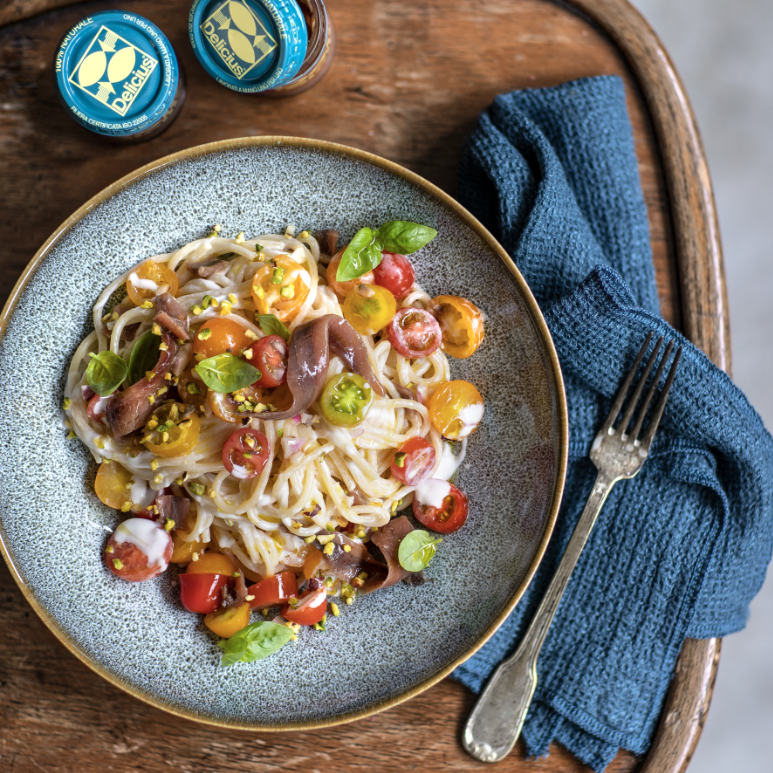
117,75
276,47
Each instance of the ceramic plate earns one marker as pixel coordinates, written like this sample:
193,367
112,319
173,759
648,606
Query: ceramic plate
389,645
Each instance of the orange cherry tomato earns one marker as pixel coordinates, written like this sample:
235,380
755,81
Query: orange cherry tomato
313,562
180,439
280,287
342,289
192,390
273,590
310,609
146,281
113,484
183,551
219,336
456,409
212,563
461,323
229,621
369,308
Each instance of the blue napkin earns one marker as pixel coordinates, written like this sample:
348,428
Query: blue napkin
679,550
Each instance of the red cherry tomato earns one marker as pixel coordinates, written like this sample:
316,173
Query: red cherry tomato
128,560
269,356
414,461
449,517
310,608
273,590
201,592
245,453
396,273
414,333
97,406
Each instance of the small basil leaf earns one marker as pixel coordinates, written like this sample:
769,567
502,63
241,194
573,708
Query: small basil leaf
362,255
106,372
271,326
144,356
254,642
404,237
416,550
226,373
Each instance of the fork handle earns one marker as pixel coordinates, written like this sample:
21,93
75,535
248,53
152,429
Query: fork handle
497,719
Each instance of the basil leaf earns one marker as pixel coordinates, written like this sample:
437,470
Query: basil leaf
254,642
362,255
404,237
106,372
416,550
271,326
144,356
226,373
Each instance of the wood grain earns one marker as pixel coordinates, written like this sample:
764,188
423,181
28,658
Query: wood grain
407,83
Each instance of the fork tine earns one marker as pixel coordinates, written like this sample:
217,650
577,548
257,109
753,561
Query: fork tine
620,396
623,426
651,390
661,405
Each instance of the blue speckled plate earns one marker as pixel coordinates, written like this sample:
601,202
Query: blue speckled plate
390,645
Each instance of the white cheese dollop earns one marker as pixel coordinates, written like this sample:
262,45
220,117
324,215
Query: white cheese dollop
147,537
432,492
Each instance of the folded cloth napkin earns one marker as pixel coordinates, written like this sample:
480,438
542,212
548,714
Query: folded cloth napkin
681,549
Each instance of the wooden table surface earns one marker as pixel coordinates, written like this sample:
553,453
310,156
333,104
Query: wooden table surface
407,83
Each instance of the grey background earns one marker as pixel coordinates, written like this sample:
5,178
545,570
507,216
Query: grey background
723,50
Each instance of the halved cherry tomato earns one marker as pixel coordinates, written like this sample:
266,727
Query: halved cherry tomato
229,621
212,563
202,592
451,513
346,399
342,289
273,590
97,406
461,323
144,283
177,438
313,561
245,453
190,387
280,287
414,333
396,273
414,462
369,308
183,551
456,409
219,336
131,546
310,609
269,356
113,484
226,407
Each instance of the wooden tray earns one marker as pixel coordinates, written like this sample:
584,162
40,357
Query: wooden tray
407,83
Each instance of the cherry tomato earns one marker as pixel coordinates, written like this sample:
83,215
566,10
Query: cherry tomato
310,609
183,551
369,308
219,336
461,323
414,333
245,453
172,437
346,399
229,621
96,408
269,356
202,592
395,272
226,407
280,287
113,485
414,462
273,590
456,409
212,563
312,562
342,289
449,516
145,282
192,390
131,544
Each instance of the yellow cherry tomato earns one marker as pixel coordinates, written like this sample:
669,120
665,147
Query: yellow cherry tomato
229,621
456,409
225,406
461,323
219,336
369,308
168,435
145,283
280,287
342,289
212,563
182,551
113,484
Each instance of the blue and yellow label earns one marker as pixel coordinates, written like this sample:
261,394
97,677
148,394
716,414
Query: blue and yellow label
238,37
113,71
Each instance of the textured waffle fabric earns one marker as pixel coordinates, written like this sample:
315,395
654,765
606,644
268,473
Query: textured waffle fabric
681,549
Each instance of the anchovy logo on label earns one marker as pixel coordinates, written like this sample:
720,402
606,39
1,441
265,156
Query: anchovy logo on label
238,36
113,71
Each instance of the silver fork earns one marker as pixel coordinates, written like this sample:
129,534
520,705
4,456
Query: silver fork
496,722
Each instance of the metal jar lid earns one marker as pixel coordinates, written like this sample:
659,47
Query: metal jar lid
116,73
249,45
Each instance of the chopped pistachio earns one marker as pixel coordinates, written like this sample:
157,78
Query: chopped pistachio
158,479
308,540
163,390
150,375
118,564
326,538
197,310
204,334
347,548
109,549
277,275
231,298
154,465
167,377
280,433
349,601
198,489
126,506
156,329
287,292
334,609
225,308
147,305
67,403
304,235
151,399
163,346
328,549
400,459
169,524
247,354
240,237
193,388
